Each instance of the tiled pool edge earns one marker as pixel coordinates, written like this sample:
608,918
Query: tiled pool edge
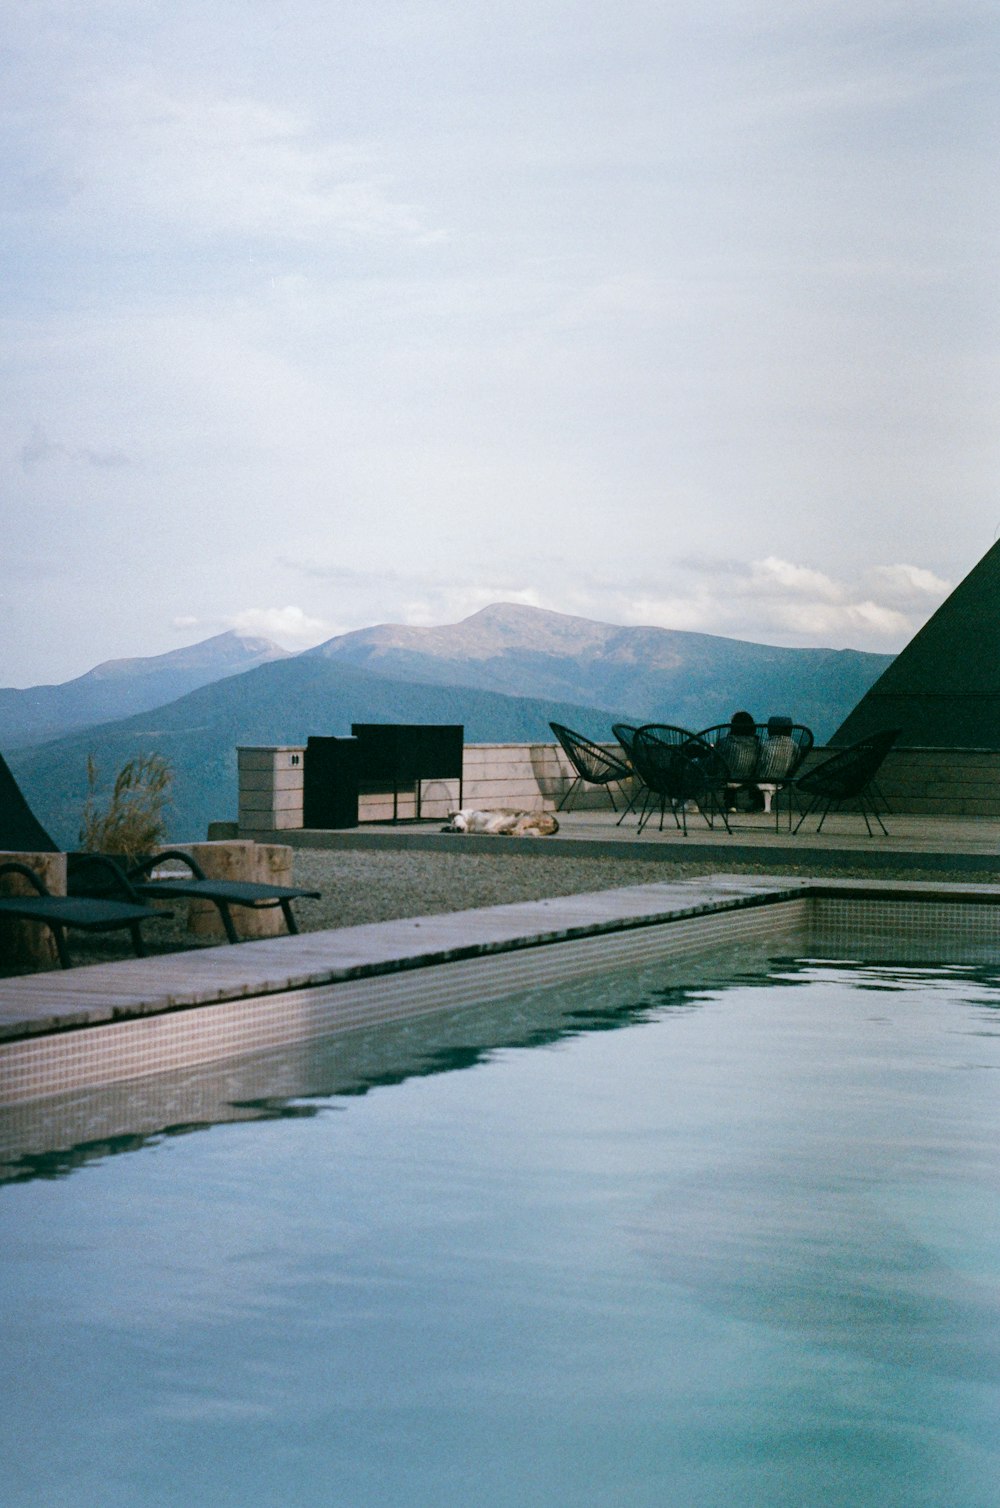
126,1039
43,1004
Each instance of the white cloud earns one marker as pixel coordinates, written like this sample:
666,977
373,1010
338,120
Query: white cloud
288,626
770,600
451,603
721,285
209,167
909,585
778,601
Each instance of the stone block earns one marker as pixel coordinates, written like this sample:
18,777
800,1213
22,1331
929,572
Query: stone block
239,859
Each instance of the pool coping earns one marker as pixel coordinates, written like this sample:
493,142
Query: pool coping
58,1002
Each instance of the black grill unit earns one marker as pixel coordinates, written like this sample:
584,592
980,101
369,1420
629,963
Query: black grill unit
404,754
330,783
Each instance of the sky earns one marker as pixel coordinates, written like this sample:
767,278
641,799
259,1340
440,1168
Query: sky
318,316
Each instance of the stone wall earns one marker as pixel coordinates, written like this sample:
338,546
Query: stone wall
535,777
942,782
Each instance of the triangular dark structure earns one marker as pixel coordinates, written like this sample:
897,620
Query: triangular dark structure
20,829
943,690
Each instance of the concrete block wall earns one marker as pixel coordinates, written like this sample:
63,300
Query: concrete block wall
534,777
270,788
943,782
437,799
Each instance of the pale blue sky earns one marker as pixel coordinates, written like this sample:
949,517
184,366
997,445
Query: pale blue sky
319,316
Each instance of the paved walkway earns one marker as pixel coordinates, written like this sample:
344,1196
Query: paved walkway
59,1000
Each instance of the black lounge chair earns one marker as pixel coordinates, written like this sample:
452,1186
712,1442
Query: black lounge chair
118,908
594,765
678,766
93,877
87,913
222,893
848,776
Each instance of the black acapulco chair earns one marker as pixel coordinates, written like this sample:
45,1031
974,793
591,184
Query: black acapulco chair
848,776
625,734
783,747
593,764
739,751
677,766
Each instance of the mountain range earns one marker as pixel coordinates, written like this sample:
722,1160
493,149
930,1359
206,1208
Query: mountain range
504,673
655,674
118,688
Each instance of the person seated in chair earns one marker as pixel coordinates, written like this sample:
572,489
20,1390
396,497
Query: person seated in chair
779,751
740,749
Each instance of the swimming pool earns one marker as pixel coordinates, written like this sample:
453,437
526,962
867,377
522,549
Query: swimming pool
633,1242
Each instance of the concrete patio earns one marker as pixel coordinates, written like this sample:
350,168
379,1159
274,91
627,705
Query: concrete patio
950,844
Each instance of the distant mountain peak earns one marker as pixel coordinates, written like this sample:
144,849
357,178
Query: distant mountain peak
495,629
116,688
225,653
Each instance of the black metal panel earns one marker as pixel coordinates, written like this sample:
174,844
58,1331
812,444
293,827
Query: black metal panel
330,783
403,754
410,751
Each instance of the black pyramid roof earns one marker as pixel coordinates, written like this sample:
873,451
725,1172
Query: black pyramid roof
943,689
20,829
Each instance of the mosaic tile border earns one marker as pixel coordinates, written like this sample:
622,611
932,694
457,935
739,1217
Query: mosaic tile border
896,928
916,924
37,1066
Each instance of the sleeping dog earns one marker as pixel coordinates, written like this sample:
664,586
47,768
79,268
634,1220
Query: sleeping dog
505,823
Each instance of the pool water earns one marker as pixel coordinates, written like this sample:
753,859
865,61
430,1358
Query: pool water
738,1244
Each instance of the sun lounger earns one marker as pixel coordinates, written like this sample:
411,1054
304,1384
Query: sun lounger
88,914
95,878
222,893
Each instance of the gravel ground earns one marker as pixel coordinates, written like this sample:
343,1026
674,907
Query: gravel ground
359,887
362,887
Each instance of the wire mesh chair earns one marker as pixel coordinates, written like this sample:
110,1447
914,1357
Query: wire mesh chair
848,776
783,747
625,734
740,752
678,767
594,765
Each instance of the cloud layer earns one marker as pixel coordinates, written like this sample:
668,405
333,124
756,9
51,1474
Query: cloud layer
680,314
770,601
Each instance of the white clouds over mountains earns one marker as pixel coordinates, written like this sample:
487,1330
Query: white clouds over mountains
768,601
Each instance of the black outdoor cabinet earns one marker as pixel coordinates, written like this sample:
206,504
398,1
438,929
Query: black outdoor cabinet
404,754
330,783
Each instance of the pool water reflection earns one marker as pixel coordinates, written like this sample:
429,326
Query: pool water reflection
738,1243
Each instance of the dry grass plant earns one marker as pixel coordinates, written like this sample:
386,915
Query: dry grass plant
133,822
